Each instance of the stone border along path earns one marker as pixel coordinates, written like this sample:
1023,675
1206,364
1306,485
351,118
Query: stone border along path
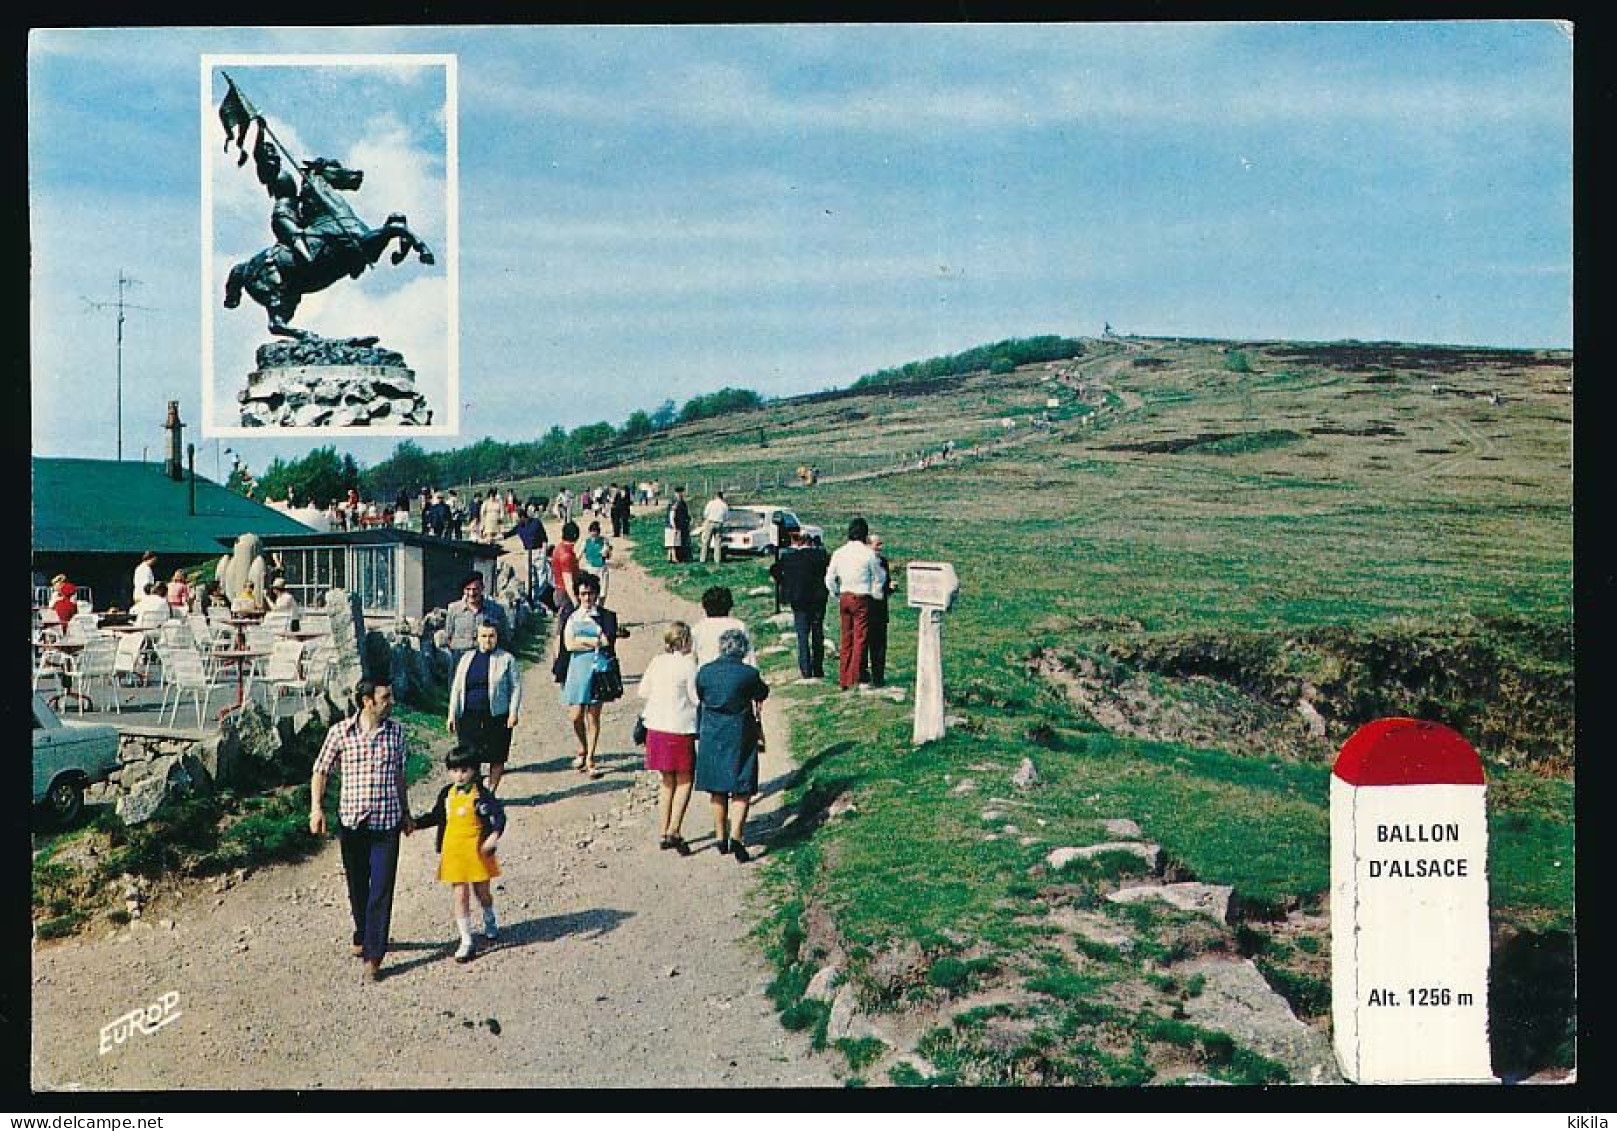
618,965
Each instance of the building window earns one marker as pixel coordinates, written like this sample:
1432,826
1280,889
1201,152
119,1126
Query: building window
376,578
370,571
311,570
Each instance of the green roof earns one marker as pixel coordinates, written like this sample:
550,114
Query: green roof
98,506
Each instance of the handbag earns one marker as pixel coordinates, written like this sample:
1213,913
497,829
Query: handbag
606,681
640,731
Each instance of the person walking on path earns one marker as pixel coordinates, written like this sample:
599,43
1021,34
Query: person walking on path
668,686
874,668
564,573
367,751
801,574
621,513
714,516
465,615
853,577
590,631
485,700
596,553
730,737
491,517
469,819
717,602
679,521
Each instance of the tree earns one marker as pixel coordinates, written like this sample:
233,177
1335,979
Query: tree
408,467
638,425
665,416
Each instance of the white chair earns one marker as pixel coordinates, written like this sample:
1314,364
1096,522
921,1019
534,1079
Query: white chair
96,664
129,656
285,672
153,618
319,662
184,673
277,623
83,629
51,663
319,624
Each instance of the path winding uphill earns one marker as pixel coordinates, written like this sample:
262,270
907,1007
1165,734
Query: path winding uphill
618,964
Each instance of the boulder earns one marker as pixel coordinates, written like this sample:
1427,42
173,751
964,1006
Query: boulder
257,738
347,636
1236,999
1312,719
196,772
761,591
845,1019
781,620
218,756
822,987
140,802
965,785
1026,776
1151,854
1212,900
1120,827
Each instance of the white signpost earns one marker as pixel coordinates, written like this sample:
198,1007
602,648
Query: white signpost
1409,906
930,587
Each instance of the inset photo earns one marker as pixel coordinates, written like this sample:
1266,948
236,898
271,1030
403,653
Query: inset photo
329,245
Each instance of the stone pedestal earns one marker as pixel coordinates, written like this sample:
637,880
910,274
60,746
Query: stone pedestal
321,382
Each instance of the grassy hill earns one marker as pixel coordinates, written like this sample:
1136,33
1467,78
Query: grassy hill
1201,537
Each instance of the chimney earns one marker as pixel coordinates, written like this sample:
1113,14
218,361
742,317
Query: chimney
174,467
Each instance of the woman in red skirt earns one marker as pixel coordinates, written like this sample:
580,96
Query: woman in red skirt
669,689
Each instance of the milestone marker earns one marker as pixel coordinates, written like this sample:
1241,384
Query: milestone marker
930,587
1409,906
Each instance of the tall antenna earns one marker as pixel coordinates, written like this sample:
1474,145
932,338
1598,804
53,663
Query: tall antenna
121,305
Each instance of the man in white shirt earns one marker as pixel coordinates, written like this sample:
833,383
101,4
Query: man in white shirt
145,575
854,578
713,519
151,609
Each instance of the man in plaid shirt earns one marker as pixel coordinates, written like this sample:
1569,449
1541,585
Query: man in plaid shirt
368,752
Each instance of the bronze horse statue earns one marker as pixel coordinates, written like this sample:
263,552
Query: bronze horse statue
319,240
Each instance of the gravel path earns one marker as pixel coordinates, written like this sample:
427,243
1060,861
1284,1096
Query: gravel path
618,965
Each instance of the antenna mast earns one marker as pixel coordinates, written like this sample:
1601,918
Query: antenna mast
123,282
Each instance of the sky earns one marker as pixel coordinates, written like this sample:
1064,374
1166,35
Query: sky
657,212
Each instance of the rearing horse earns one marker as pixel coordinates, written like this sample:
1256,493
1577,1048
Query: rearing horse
339,243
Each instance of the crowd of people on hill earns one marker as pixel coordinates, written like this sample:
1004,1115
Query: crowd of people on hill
701,719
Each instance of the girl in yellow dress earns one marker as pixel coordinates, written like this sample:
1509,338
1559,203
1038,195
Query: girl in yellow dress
470,820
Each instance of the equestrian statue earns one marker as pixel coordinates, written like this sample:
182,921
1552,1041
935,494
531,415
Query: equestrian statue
318,237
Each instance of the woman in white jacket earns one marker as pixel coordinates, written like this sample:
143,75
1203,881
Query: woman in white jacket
669,689
485,698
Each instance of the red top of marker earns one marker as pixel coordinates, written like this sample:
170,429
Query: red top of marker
1407,752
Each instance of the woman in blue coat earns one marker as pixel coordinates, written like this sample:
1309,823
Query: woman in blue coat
729,736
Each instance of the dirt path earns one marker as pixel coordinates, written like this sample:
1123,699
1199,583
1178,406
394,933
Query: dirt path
618,966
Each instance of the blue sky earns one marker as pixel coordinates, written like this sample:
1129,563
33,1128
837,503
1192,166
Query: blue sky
659,212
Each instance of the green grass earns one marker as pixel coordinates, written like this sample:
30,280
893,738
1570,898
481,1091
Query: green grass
1257,497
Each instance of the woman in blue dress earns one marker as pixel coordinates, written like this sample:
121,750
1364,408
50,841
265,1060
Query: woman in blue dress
729,735
591,631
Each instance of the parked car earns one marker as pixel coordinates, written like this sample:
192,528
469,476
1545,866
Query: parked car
762,529
68,757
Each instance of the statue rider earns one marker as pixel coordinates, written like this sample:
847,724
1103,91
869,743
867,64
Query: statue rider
286,218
